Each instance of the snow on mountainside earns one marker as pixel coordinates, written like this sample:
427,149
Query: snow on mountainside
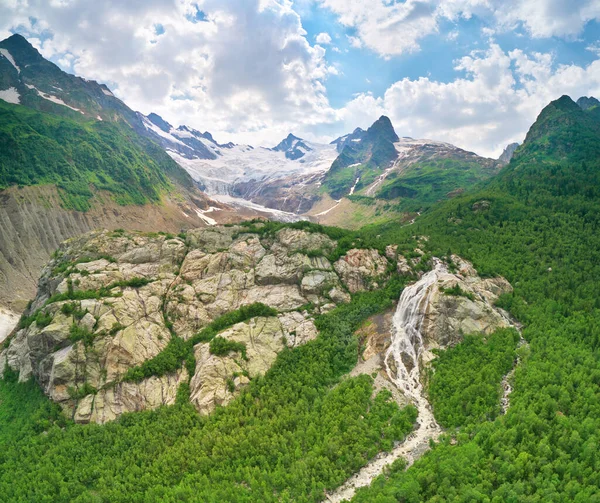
244,163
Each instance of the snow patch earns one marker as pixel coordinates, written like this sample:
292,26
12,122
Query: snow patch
202,215
10,95
278,215
53,99
11,60
154,128
108,93
354,186
8,321
327,211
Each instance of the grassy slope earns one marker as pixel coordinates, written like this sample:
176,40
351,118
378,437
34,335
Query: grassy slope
431,181
81,157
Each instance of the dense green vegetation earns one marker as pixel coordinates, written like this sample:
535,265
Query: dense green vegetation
457,291
81,157
428,182
288,437
220,346
464,380
300,430
541,231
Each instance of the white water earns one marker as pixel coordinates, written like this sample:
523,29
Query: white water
402,367
507,380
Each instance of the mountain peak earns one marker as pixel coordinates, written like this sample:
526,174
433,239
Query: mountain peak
21,50
17,39
585,102
563,103
157,120
293,147
384,129
508,152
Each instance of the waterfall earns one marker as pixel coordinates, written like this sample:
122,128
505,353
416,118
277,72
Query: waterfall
407,339
402,366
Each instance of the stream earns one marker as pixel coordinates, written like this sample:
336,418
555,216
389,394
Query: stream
402,367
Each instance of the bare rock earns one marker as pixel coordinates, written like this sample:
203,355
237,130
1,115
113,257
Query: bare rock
359,268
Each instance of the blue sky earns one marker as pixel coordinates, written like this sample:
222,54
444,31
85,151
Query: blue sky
362,70
471,72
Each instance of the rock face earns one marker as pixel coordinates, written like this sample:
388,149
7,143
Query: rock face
218,378
358,269
447,317
446,306
110,301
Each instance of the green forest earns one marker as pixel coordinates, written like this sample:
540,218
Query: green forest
82,157
304,427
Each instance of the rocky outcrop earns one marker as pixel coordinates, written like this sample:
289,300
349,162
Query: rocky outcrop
217,379
461,303
110,301
359,269
33,223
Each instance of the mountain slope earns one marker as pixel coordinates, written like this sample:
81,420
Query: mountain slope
72,150
537,225
362,154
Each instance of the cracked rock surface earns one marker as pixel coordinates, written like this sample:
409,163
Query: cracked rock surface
110,301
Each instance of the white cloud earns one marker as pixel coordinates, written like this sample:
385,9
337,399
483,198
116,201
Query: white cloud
495,103
354,41
387,28
247,69
248,73
595,48
323,38
393,28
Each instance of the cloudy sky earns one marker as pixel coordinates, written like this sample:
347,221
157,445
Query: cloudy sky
471,72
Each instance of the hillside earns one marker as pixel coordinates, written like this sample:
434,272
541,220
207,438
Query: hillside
70,162
536,224
497,407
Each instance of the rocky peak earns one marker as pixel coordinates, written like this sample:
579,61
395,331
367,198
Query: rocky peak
507,153
21,50
586,103
382,129
294,147
157,120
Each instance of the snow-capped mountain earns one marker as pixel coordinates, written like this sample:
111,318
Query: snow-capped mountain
293,147
260,174
185,141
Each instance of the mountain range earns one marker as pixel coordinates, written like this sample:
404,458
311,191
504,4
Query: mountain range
440,344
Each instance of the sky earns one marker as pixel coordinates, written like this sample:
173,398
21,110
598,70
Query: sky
475,73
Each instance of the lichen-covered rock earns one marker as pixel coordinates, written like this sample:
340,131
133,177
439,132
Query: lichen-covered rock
217,378
360,268
110,301
109,404
448,316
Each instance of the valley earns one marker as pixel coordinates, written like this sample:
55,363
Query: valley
376,318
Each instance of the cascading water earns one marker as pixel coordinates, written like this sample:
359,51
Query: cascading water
402,357
402,366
